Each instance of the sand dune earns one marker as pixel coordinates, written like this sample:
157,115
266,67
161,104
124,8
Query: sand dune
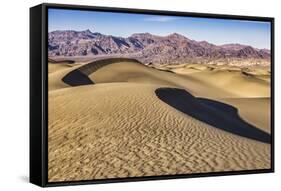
123,129
236,82
56,71
57,67
214,113
207,83
239,82
256,111
118,118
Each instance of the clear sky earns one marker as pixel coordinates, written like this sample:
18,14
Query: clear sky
216,31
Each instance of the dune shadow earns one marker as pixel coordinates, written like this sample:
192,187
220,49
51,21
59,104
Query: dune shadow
80,75
214,113
77,78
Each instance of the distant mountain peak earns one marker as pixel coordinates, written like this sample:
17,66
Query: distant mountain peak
176,35
142,34
87,31
173,48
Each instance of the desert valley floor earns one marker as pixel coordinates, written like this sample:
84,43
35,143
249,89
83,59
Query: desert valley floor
118,118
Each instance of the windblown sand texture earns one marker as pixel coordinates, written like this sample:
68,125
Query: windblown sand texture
118,118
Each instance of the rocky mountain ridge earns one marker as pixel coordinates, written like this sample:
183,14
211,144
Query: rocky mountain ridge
148,48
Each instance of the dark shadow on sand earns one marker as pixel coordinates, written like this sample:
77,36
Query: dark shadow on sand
217,114
77,78
80,75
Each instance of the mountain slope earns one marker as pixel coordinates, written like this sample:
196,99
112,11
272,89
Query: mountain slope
148,48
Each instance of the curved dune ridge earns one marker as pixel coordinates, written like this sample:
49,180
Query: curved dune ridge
243,82
80,76
205,83
115,118
217,114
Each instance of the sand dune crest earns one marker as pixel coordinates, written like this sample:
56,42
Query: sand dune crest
217,114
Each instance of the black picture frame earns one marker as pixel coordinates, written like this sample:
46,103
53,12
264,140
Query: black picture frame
39,93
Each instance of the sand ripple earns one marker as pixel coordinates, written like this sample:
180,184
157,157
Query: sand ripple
123,130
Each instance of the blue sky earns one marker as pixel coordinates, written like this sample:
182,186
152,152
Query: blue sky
216,31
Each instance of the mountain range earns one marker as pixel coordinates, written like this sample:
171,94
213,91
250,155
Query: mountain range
148,48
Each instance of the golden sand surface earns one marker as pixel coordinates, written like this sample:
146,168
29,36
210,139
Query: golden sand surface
119,127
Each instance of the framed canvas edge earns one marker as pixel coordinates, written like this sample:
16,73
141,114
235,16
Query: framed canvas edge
46,183
36,103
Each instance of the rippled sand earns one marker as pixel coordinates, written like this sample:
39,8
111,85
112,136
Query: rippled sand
118,127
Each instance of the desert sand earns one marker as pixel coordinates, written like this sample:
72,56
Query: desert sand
118,118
